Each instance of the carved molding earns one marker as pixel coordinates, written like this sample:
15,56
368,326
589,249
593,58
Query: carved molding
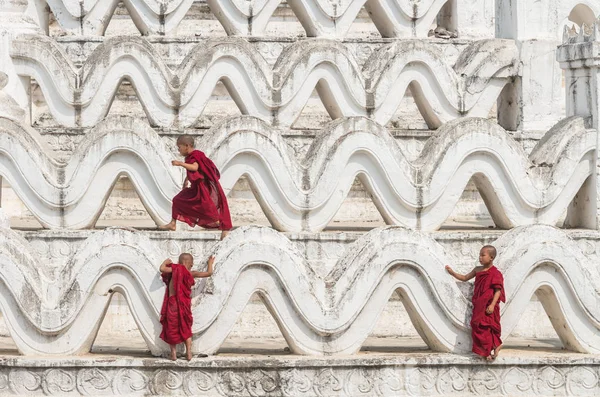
349,379
305,195
319,18
82,96
316,315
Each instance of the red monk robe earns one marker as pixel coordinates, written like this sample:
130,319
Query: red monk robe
485,328
203,203
176,313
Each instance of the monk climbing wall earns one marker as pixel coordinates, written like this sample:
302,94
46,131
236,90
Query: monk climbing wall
328,121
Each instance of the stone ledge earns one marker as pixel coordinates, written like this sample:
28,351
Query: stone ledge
398,375
510,357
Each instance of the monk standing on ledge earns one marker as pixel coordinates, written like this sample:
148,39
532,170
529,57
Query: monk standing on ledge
176,313
202,201
489,289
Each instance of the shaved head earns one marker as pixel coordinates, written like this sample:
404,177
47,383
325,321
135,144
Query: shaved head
185,256
491,250
185,140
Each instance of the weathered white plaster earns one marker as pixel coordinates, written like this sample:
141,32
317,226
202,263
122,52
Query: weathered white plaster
579,56
306,195
14,22
82,96
319,18
537,99
414,374
325,291
317,315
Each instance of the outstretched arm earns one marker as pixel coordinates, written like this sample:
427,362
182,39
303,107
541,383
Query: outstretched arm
208,271
189,167
165,267
461,277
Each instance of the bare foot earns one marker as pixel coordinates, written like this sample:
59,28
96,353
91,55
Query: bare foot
496,352
489,358
188,355
224,234
173,356
171,226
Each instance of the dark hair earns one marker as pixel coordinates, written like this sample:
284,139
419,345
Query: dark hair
185,140
491,250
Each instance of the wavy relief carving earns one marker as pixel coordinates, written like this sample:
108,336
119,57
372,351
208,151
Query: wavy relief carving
320,18
331,315
83,96
305,195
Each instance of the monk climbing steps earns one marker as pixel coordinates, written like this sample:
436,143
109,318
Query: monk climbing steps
176,313
201,201
488,291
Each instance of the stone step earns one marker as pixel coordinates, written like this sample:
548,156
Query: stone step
525,369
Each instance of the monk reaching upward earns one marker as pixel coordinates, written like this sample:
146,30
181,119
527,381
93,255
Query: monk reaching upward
488,291
201,201
176,313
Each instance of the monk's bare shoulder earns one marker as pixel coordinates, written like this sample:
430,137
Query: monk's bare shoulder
478,269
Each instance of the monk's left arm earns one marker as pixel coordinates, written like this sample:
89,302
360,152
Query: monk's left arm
208,272
165,267
190,167
492,305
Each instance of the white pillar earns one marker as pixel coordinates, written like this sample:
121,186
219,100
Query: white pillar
470,19
15,22
4,221
534,102
579,56
39,11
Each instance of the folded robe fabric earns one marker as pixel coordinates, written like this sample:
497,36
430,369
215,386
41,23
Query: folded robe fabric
203,203
176,313
485,328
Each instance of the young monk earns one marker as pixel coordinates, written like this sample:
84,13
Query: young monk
176,313
201,201
489,289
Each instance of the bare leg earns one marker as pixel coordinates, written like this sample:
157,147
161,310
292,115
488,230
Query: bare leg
224,234
172,226
496,351
188,349
173,352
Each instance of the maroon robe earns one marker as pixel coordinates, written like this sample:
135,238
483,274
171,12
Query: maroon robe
176,313
203,203
485,328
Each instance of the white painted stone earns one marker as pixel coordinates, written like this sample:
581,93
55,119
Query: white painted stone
578,56
14,22
4,220
325,291
82,96
537,98
306,195
316,315
318,18
413,374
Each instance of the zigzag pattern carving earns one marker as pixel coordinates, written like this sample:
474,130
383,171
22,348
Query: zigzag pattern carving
305,195
316,316
82,96
393,18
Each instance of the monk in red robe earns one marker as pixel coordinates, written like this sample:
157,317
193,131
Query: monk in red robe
488,290
202,201
176,313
